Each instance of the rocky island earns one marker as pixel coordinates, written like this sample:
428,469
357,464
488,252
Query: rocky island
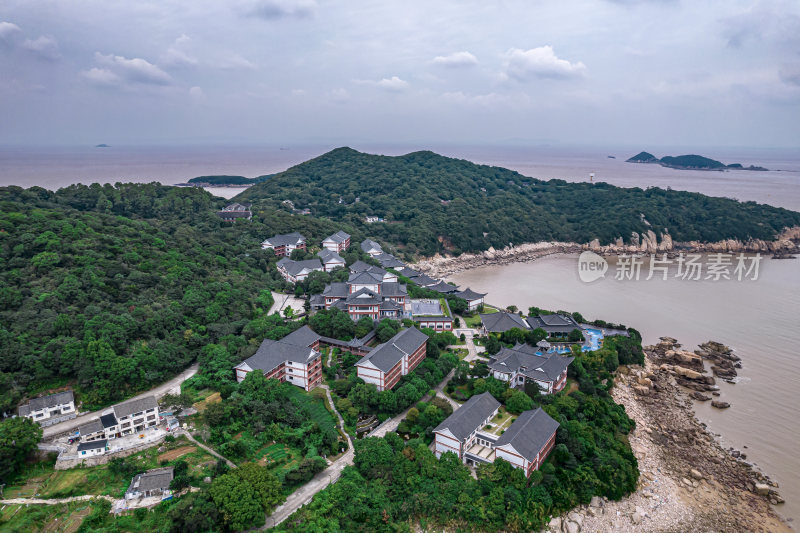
689,162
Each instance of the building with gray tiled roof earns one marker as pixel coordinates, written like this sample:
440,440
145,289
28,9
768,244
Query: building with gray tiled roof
294,271
151,483
502,321
330,259
284,245
338,242
524,364
368,246
51,409
554,325
474,299
385,364
294,359
528,440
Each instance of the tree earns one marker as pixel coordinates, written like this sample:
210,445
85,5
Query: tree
363,326
575,336
493,345
193,513
518,402
18,437
243,495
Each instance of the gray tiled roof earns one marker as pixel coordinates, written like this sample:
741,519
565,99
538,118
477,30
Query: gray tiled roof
359,266
92,426
550,369
502,321
364,278
108,420
529,433
338,237
554,323
272,353
387,355
443,287
135,406
304,336
424,280
364,297
93,445
370,245
392,289
470,295
336,290
469,416
389,261
283,240
329,256
390,305
547,367
45,402
296,267
408,272
157,479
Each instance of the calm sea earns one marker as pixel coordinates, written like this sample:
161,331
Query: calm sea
759,319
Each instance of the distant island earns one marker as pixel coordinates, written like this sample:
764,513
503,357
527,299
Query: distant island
689,162
102,146
224,181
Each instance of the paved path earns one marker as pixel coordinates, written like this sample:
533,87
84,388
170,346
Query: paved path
55,501
282,301
158,392
206,448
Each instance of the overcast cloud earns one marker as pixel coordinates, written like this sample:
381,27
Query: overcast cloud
668,72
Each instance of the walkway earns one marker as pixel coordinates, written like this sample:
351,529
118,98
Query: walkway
158,392
206,448
55,501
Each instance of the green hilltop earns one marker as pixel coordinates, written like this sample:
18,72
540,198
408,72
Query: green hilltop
433,203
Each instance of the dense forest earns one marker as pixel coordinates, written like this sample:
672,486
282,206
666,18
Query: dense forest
113,289
433,203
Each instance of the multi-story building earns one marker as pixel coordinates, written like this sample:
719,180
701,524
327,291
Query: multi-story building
338,242
526,364
366,294
284,245
123,419
470,433
376,271
371,247
51,409
294,359
294,271
234,212
385,364
330,259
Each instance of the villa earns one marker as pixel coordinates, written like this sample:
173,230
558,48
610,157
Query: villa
338,242
470,434
364,294
51,409
474,299
385,364
555,325
284,245
294,271
294,359
502,322
433,314
152,483
330,259
371,247
234,212
523,364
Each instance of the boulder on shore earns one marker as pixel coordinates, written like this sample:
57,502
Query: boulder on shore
720,405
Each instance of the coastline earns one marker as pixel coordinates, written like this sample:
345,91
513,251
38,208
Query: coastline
786,243
688,481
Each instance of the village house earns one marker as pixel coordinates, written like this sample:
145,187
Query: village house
284,245
330,260
470,434
371,248
338,242
433,314
526,364
51,409
294,359
385,364
294,271
151,483
556,326
372,219
90,449
501,322
123,419
474,299
234,212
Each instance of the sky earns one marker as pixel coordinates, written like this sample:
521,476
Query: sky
582,72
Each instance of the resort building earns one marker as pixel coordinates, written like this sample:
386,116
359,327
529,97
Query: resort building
474,299
409,273
433,314
555,325
330,259
371,247
123,419
444,288
385,364
152,483
90,449
525,364
501,322
234,212
51,409
424,280
284,245
338,242
379,273
365,295
294,359
294,271
470,434
389,261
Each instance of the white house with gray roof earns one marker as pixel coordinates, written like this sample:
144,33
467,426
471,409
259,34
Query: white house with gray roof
330,260
554,325
526,364
285,244
151,483
474,299
459,431
338,242
51,409
385,364
294,359
294,271
123,419
368,246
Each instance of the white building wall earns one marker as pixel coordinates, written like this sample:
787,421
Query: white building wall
518,462
370,375
445,444
296,374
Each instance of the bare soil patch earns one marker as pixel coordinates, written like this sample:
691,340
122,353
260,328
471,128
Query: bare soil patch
176,453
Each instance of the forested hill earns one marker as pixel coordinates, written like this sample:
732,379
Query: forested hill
433,203
114,289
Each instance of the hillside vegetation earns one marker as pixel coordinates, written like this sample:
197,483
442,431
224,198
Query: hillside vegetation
114,289
229,180
433,203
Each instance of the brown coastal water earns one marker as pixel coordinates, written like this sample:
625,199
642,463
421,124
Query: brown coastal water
759,319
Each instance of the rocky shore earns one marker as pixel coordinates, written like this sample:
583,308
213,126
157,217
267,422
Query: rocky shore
783,246
688,481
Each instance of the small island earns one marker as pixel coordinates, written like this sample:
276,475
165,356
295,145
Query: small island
224,181
689,162
102,146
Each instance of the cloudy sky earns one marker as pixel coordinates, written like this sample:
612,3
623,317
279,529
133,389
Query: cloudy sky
668,72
